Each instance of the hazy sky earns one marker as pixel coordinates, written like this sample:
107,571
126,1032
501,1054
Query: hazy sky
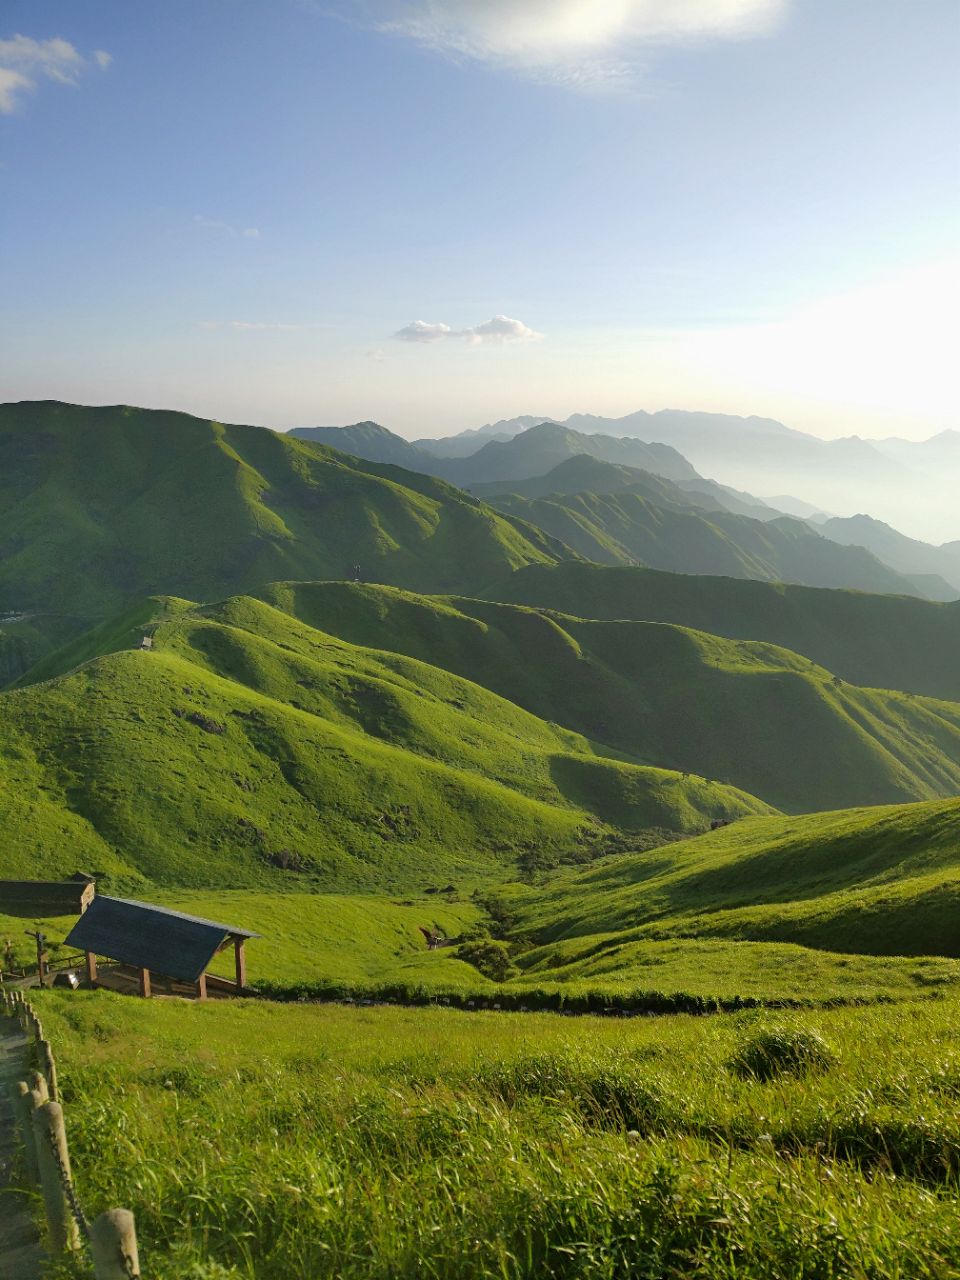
436,213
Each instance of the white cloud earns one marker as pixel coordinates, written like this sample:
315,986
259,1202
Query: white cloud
420,331
582,42
23,61
499,329
217,224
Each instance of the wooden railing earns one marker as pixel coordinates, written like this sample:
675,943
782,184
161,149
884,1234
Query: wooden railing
111,1238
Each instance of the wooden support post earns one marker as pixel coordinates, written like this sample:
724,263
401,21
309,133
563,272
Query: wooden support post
113,1244
91,967
241,962
202,987
41,958
145,983
23,1108
54,1161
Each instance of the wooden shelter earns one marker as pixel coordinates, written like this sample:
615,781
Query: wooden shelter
155,940
47,897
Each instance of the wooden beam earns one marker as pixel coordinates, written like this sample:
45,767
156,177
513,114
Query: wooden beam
241,962
91,967
202,987
145,983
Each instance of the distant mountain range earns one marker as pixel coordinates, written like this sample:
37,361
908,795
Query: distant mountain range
561,480
630,528
910,484
906,555
533,452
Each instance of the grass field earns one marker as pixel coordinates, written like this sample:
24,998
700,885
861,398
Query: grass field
279,1141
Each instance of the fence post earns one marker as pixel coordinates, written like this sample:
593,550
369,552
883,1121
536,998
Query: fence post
113,1244
38,1084
54,1161
49,1068
23,1105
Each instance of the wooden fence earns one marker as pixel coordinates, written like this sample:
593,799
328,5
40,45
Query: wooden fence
111,1238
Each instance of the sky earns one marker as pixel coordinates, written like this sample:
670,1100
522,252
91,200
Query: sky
440,213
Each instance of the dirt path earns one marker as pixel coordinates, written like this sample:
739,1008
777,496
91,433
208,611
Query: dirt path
21,1257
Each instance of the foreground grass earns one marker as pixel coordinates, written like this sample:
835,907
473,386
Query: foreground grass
255,1140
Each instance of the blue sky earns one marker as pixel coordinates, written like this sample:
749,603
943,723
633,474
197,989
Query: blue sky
437,213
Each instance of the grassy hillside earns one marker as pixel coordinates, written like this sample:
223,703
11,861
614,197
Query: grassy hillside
101,505
630,528
751,714
882,881
884,642
247,748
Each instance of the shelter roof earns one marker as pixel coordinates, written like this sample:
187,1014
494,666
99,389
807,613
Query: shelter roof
151,937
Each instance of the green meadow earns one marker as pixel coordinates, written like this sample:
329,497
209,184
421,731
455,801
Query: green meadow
270,1141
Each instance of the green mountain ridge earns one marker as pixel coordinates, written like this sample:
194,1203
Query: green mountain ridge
99,506
881,642
370,441
630,528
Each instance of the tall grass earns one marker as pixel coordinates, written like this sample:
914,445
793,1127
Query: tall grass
278,1141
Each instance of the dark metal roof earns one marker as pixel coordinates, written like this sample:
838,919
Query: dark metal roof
150,937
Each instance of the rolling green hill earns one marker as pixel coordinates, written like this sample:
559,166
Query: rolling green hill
886,642
631,528
882,881
752,714
98,506
248,749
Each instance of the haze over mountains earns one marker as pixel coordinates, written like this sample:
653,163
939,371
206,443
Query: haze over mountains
909,484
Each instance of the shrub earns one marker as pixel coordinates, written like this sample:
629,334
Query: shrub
489,956
776,1051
